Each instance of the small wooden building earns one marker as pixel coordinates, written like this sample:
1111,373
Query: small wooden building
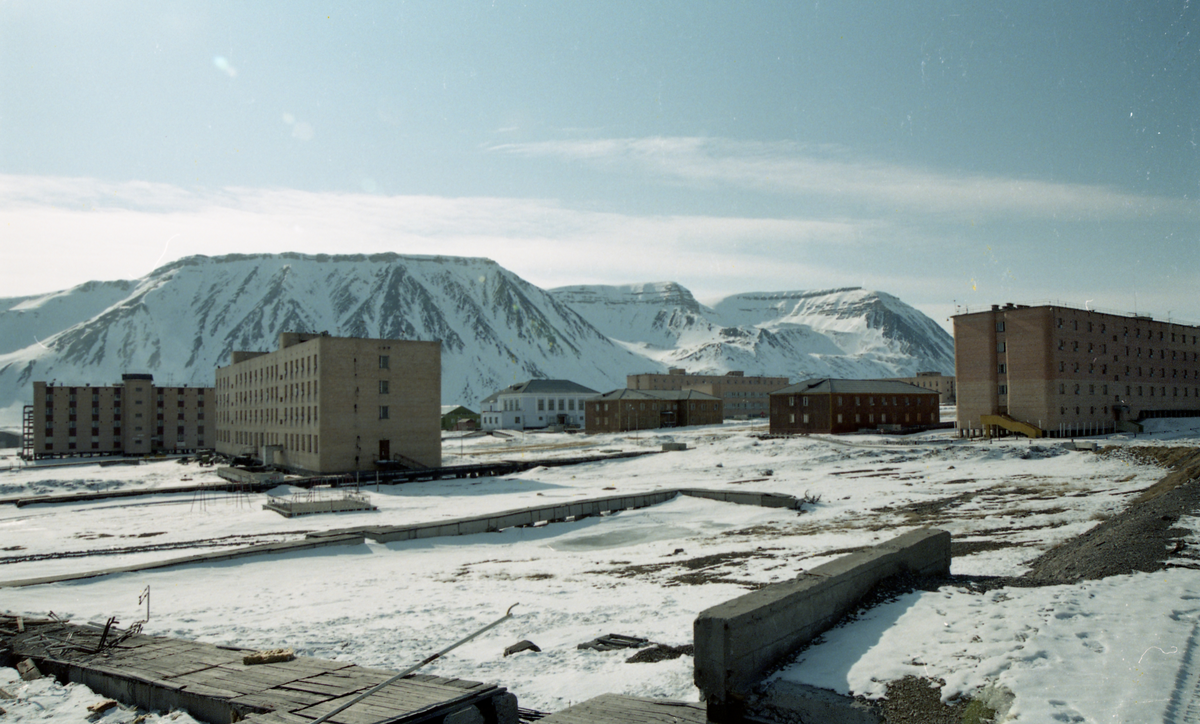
623,410
837,406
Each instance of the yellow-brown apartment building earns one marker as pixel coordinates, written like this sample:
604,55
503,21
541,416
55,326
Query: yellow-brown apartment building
741,396
1073,371
323,404
135,417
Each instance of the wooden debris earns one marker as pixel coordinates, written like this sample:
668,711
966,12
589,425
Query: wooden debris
611,642
524,645
102,706
271,656
6,694
28,670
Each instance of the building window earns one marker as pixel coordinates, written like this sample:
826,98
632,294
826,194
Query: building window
541,404
1000,370
806,419
805,399
383,387
383,412
1000,326
384,362
839,418
1003,389
1000,347
792,417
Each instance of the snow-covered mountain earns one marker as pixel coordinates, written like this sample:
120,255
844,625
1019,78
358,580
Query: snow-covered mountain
182,320
850,332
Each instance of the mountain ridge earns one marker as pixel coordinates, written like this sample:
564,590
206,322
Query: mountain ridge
183,319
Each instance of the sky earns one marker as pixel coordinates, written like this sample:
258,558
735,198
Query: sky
953,153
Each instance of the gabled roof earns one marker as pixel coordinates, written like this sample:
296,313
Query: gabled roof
628,394
829,386
542,387
447,409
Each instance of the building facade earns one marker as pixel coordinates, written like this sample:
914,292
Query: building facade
628,410
840,406
535,405
741,396
1072,371
135,417
322,404
936,381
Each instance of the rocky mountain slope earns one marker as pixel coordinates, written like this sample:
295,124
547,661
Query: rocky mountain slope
182,320
850,332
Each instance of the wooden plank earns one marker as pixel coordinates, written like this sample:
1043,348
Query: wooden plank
276,717
280,699
617,709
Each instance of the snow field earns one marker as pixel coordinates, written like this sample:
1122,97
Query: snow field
391,605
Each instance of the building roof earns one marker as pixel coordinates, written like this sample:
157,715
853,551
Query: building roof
628,394
829,386
542,387
447,409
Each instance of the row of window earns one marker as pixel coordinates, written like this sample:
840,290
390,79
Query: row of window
299,442
299,367
1131,390
883,418
1137,332
883,400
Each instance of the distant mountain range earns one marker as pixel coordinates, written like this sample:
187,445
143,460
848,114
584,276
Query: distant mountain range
182,320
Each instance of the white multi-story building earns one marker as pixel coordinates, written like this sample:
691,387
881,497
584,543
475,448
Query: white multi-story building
534,405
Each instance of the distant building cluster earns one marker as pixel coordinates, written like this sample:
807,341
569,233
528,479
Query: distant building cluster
322,404
742,396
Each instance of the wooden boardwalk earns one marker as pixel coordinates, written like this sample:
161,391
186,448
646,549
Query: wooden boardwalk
214,685
616,709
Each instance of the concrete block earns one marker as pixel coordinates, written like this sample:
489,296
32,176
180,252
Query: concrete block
466,715
504,709
737,642
469,527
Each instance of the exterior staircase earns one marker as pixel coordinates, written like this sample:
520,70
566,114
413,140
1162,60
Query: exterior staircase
1006,422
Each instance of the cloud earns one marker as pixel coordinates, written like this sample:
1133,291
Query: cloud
71,230
829,172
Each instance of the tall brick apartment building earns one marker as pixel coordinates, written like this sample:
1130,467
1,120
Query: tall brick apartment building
326,404
1072,371
135,417
741,396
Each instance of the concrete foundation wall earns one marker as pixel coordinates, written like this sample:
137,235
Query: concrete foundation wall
738,642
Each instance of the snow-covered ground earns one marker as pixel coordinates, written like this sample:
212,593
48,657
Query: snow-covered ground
1112,650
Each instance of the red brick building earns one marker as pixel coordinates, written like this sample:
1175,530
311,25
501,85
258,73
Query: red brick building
837,406
624,410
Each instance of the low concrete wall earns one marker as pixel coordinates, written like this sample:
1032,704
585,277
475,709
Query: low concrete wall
738,642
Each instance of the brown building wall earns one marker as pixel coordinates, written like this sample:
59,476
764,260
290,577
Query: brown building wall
631,415
135,417
1071,369
332,404
841,413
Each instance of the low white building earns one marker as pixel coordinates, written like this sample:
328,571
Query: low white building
534,405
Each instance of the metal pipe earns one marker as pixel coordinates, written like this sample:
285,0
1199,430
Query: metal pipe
507,615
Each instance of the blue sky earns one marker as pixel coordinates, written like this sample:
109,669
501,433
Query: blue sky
946,152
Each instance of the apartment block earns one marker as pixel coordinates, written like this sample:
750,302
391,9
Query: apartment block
322,404
841,406
936,381
135,417
1071,371
741,396
628,410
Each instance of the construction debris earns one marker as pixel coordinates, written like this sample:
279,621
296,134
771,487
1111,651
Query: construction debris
611,642
28,670
271,656
524,645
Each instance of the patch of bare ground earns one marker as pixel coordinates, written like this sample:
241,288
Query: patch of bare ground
918,700
712,568
1139,538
